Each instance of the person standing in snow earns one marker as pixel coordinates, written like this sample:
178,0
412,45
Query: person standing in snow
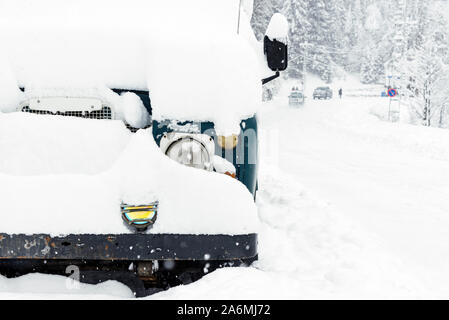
340,92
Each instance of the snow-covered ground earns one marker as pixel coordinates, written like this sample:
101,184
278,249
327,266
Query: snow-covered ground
351,207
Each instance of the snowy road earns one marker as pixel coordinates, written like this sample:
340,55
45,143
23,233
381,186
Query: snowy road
351,207
390,179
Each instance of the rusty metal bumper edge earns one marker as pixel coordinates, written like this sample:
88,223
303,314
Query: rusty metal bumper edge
128,247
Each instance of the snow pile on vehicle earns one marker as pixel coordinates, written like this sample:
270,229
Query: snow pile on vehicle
191,200
75,200
277,28
46,144
126,106
133,110
222,165
217,84
187,54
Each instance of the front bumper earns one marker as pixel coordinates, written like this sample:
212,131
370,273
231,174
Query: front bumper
133,247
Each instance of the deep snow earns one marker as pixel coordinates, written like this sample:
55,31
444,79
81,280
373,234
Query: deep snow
351,207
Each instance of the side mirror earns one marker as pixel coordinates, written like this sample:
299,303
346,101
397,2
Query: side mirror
275,43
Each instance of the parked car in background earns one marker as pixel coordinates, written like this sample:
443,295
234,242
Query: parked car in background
296,97
322,93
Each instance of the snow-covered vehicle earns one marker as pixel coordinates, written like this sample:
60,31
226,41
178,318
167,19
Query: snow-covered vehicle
322,93
129,143
296,98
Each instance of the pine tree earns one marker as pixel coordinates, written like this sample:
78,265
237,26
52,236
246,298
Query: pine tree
427,72
366,71
357,35
296,13
319,37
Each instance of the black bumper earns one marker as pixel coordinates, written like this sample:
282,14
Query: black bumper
128,247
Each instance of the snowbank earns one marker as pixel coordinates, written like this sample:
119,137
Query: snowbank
307,250
188,55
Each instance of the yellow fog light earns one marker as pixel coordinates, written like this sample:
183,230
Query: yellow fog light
141,216
228,142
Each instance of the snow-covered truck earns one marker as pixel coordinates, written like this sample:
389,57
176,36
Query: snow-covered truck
128,138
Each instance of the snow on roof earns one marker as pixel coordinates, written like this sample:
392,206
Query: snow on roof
188,55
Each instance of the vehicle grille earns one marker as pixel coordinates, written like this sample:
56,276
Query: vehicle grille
104,113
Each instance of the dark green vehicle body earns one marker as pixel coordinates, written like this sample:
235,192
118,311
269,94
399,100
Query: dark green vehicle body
243,156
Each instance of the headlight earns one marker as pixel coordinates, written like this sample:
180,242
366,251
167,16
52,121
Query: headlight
193,150
140,217
228,142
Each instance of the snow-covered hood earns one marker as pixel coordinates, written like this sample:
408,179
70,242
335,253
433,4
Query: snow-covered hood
62,175
187,54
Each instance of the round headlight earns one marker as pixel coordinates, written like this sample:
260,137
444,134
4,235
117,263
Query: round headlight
190,152
229,142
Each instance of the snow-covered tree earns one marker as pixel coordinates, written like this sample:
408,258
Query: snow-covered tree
296,13
263,10
367,70
425,68
359,36
427,88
